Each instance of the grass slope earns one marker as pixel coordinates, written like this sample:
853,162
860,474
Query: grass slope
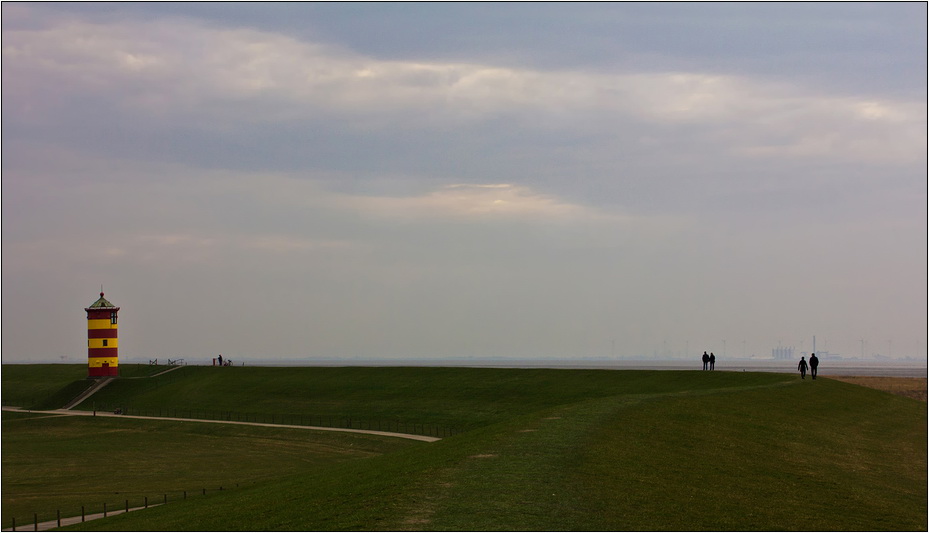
446,397
53,386
55,463
558,450
28,385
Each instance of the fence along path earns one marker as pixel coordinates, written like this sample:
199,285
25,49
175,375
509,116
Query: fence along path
65,412
71,520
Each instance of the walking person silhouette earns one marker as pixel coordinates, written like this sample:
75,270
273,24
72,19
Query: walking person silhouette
814,364
802,367
706,360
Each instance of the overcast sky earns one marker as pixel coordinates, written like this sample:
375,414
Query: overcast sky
431,180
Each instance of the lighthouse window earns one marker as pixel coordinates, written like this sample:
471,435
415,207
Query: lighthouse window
104,342
113,317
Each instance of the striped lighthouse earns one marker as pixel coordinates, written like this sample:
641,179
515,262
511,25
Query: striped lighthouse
102,360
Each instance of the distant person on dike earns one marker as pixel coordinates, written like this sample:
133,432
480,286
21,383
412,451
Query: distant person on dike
802,368
712,361
706,360
220,359
814,363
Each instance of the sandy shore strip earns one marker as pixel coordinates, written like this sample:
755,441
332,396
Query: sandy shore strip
910,387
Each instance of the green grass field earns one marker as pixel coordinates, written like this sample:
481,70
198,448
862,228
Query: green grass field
535,450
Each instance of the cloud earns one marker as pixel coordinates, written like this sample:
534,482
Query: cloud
223,79
471,201
167,251
172,217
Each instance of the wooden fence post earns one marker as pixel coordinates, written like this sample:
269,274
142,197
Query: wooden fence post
82,513
58,517
104,510
36,518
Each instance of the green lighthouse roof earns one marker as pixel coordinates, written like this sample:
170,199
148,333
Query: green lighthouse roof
102,303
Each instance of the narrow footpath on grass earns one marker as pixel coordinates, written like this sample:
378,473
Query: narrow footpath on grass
65,412
71,520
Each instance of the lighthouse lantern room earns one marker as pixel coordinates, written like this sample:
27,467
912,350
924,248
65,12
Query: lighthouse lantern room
102,360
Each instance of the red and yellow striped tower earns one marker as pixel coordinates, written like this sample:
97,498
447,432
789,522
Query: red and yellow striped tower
102,360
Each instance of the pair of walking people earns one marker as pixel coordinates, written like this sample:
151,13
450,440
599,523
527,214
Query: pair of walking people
709,360
813,366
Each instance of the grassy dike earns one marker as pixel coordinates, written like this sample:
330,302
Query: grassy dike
539,450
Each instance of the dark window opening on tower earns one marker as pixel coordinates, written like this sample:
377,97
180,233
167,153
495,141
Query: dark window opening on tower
113,317
104,342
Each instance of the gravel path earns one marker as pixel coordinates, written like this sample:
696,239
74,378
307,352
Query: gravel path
64,412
